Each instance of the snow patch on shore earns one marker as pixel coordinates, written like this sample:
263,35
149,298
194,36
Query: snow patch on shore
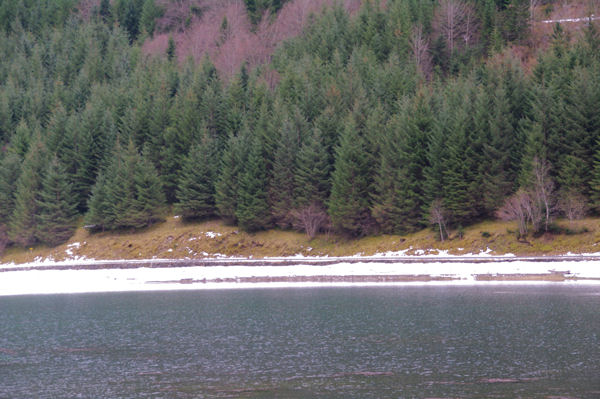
198,277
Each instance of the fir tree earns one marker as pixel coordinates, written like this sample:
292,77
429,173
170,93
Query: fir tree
252,210
98,215
10,169
171,49
398,199
128,194
595,180
196,189
150,11
312,172
22,226
56,206
232,166
282,184
149,201
349,200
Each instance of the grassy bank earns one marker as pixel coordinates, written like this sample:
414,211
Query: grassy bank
175,239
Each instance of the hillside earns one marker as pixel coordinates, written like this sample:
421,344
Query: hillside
360,119
174,239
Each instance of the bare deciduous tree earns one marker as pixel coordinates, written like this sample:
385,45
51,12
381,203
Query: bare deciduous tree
517,207
543,187
311,219
456,22
420,47
201,33
532,6
438,216
573,205
534,204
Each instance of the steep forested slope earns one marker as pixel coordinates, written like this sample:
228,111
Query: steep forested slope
386,117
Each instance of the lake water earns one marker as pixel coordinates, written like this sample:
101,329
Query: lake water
497,341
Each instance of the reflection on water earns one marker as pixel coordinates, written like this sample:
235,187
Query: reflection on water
467,342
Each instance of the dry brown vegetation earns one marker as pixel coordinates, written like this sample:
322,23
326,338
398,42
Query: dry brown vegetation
176,239
541,32
241,42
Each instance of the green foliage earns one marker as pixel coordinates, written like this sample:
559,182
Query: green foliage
128,194
313,171
252,208
57,207
196,188
349,201
282,183
338,120
232,166
398,198
23,221
10,169
171,49
256,8
128,13
150,12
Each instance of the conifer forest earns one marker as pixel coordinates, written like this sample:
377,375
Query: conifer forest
357,117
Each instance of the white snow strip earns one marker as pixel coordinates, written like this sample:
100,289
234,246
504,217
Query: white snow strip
560,21
151,279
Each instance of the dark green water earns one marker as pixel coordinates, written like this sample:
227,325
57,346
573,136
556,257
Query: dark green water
405,342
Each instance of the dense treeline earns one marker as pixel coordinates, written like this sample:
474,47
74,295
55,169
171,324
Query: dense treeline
386,121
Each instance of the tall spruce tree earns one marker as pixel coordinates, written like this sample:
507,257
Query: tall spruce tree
128,194
196,189
149,201
23,222
232,165
312,184
98,216
57,206
282,185
10,169
398,198
349,201
252,210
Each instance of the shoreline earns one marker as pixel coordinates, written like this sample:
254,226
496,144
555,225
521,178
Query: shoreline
90,276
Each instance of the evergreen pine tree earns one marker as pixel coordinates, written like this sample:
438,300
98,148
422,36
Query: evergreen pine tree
398,199
458,199
582,129
177,141
501,151
232,166
22,225
105,12
128,193
312,172
252,210
595,180
84,153
98,215
349,200
150,11
149,201
282,184
19,142
57,207
10,169
196,189
171,50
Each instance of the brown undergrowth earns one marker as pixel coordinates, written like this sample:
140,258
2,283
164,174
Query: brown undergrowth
176,239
